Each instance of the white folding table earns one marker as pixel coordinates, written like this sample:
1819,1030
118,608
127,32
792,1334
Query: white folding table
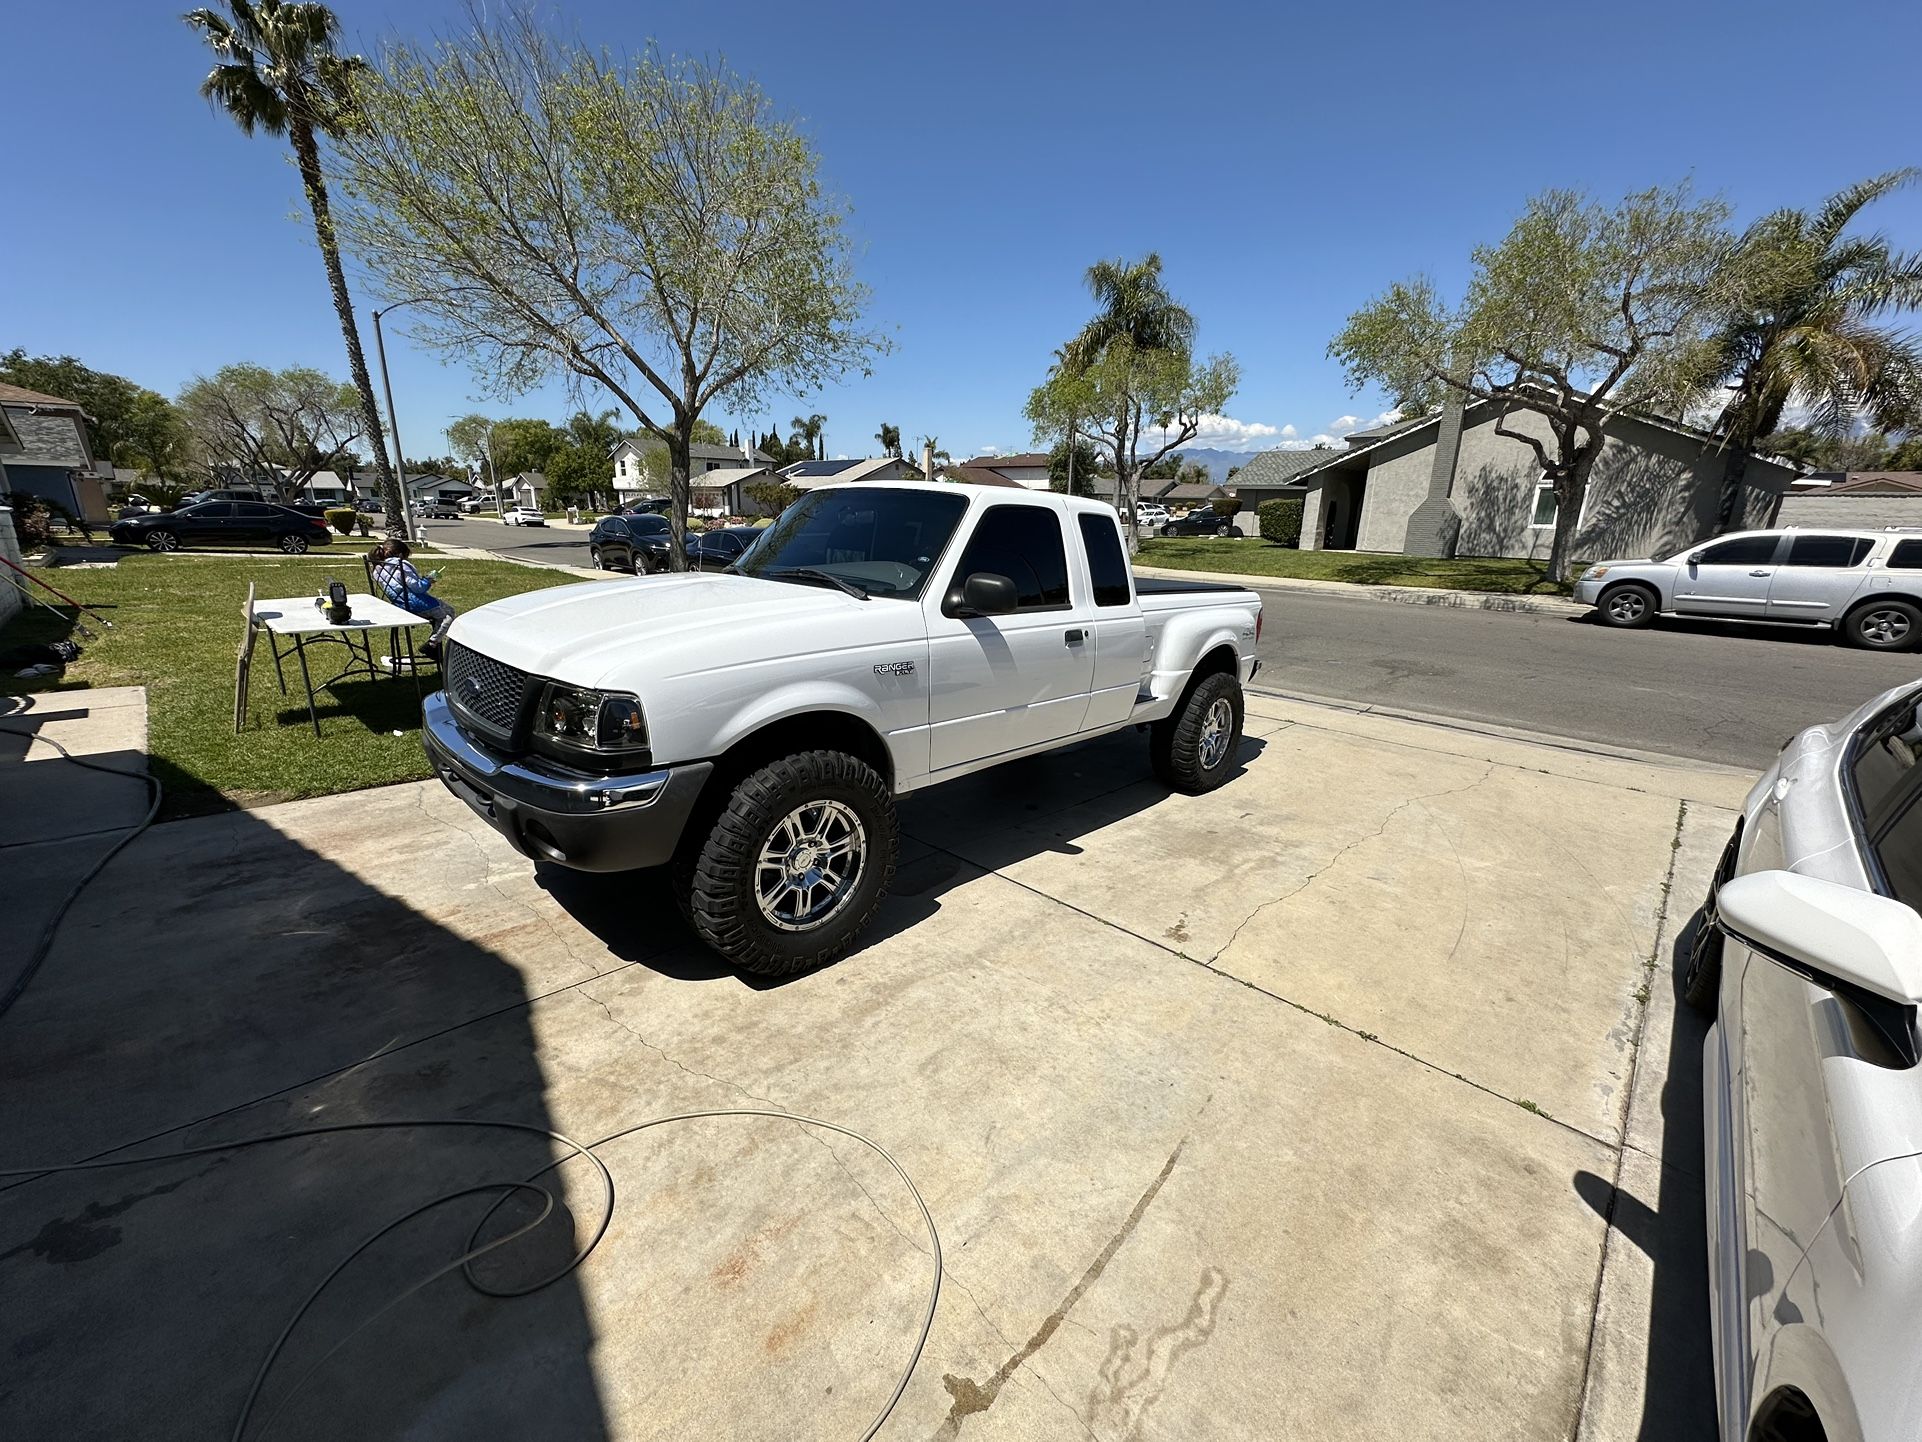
303,624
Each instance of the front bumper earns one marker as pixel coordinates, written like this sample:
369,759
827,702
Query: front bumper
1587,593
550,813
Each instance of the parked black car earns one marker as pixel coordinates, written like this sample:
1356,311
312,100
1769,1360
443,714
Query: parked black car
1200,523
717,550
629,543
222,523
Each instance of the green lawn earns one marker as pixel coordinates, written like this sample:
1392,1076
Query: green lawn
1262,558
176,628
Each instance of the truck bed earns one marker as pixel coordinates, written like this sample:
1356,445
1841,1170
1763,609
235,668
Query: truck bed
1146,586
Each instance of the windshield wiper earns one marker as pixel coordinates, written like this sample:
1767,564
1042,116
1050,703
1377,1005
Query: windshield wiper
810,573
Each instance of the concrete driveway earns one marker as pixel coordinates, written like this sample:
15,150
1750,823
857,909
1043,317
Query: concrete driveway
1338,1103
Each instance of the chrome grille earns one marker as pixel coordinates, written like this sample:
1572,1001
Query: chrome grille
485,689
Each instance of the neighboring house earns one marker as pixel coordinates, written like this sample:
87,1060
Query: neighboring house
44,452
1030,469
1184,493
1855,499
806,475
451,489
1275,475
723,491
629,458
529,488
1429,488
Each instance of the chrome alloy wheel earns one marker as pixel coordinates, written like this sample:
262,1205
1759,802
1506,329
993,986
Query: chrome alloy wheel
1217,726
1884,628
809,865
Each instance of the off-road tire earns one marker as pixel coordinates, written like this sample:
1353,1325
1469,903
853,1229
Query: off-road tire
1883,626
1617,607
1175,742
719,885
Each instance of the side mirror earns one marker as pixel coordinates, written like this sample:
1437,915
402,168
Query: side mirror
982,594
1695,557
1834,936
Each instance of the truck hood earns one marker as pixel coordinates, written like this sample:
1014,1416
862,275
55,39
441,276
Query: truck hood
618,633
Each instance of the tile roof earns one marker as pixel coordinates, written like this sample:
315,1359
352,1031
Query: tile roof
1878,482
968,473
1027,460
1279,468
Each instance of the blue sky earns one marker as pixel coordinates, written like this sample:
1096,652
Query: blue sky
1287,162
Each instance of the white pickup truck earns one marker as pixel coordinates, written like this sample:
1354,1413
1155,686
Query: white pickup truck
751,728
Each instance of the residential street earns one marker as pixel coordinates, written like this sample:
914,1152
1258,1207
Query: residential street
558,545
1729,694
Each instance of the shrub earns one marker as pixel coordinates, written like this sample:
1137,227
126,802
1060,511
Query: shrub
342,518
1280,520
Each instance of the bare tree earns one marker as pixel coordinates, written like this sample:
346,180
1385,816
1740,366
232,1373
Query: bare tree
278,428
651,226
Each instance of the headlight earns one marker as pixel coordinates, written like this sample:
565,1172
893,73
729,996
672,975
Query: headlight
1594,573
600,722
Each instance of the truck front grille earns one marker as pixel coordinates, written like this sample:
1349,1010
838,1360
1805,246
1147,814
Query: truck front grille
484,689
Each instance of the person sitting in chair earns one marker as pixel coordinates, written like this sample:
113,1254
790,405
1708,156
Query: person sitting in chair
406,587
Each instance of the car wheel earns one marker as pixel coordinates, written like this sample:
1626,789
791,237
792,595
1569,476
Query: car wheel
594,559
1168,530
162,541
796,864
1702,977
1628,607
1193,749
1883,626
1224,531
293,545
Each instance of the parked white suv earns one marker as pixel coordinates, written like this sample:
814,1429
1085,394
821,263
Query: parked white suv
753,726
1865,584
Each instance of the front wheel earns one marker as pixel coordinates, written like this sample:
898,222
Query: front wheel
796,864
294,545
1193,749
1224,531
162,541
1628,607
1883,626
1168,530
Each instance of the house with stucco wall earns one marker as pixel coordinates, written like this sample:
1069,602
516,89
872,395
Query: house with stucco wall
1447,484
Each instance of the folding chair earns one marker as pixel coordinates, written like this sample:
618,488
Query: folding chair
244,662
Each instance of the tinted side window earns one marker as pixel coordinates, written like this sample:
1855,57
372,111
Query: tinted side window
255,511
1883,766
1742,551
1900,851
1837,551
210,510
1907,556
1107,567
1022,543
646,525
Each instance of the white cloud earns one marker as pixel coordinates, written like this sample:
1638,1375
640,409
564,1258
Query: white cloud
1289,433
1344,423
1225,433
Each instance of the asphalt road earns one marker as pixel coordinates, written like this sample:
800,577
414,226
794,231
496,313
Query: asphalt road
1731,694
530,543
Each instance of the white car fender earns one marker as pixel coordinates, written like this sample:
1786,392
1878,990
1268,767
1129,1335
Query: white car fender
1187,636
727,720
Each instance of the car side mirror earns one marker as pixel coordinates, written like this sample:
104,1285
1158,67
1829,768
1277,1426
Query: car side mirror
1695,557
982,594
1835,936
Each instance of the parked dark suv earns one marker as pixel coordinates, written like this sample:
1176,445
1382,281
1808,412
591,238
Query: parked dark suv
629,543
222,523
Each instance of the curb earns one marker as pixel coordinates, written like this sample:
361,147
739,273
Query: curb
1400,595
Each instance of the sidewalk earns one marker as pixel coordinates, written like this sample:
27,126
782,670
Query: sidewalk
1403,595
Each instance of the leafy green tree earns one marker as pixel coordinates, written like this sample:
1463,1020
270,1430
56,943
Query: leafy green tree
525,445
1129,381
276,428
157,438
1087,465
110,401
809,438
890,439
706,433
1805,325
277,70
468,438
577,475
771,496
933,444
652,226
1579,313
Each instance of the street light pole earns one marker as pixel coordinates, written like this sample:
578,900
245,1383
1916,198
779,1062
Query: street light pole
407,527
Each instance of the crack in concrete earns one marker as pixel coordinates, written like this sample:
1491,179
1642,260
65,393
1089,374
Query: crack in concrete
1335,860
970,1396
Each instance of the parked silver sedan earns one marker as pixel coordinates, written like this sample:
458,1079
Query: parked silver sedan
1867,585
1809,957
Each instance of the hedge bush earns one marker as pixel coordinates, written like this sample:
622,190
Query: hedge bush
342,518
1280,521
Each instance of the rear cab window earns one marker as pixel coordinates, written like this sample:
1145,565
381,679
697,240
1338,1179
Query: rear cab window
1107,566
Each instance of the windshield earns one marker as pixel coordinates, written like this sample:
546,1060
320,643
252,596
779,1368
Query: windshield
884,541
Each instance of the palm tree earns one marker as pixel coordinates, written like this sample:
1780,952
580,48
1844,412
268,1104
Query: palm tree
277,71
1135,307
890,439
596,433
808,432
1805,329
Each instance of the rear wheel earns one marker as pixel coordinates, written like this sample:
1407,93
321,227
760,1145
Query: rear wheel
1628,606
796,863
1702,979
162,541
1883,626
1193,750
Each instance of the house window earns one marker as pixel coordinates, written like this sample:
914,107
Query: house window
1542,516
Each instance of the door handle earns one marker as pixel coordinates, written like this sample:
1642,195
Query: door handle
1075,638
1763,572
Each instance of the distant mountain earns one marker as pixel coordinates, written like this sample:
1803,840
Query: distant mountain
1218,462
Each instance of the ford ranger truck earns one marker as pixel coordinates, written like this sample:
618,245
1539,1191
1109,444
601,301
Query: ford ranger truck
751,728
